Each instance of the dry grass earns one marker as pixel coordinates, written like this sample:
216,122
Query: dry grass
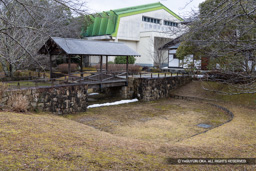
3,87
194,89
137,136
163,121
18,103
46,142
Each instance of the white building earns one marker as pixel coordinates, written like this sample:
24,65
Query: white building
143,28
176,63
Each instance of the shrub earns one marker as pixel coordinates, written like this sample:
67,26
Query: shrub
121,67
17,74
155,70
64,67
3,88
18,103
122,60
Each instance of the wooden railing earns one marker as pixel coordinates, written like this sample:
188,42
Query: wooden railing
88,78
104,77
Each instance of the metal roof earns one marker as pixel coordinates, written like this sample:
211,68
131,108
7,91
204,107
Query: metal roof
173,44
107,23
86,47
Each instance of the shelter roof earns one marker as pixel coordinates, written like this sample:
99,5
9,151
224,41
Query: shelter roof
57,45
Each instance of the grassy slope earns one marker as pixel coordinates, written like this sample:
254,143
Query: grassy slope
194,89
47,142
37,142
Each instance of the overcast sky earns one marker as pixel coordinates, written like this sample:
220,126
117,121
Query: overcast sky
180,7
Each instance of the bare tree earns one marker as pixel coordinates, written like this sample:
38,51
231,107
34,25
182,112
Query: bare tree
155,51
26,24
225,32
159,56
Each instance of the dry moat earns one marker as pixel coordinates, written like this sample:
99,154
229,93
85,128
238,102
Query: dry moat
167,120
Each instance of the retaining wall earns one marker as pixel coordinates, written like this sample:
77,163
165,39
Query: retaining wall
150,89
68,99
64,99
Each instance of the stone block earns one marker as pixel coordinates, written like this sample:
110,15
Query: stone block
33,104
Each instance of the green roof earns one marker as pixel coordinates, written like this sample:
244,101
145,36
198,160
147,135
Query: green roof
106,23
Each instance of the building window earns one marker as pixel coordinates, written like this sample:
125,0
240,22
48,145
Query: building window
151,20
170,23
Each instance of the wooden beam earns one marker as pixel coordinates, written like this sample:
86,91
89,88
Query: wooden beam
69,66
50,66
81,66
106,64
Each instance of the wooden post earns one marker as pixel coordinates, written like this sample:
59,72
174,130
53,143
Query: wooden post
50,66
81,66
100,68
101,64
30,76
69,66
106,64
127,64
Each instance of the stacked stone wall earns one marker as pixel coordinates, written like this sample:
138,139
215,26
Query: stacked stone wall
150,89
64,99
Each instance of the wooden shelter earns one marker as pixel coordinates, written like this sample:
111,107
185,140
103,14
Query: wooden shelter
79,47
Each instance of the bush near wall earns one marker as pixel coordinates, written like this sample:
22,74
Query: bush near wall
64,67
122,60
132,69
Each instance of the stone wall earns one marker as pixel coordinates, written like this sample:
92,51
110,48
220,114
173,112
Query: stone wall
68,99
64,99
150,89
124,92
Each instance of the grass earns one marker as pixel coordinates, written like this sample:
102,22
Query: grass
89,69
33,142
137,136
152,121
27,83
194,89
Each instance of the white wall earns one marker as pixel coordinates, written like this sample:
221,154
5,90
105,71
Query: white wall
145,48
185,63
173,62
130,27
